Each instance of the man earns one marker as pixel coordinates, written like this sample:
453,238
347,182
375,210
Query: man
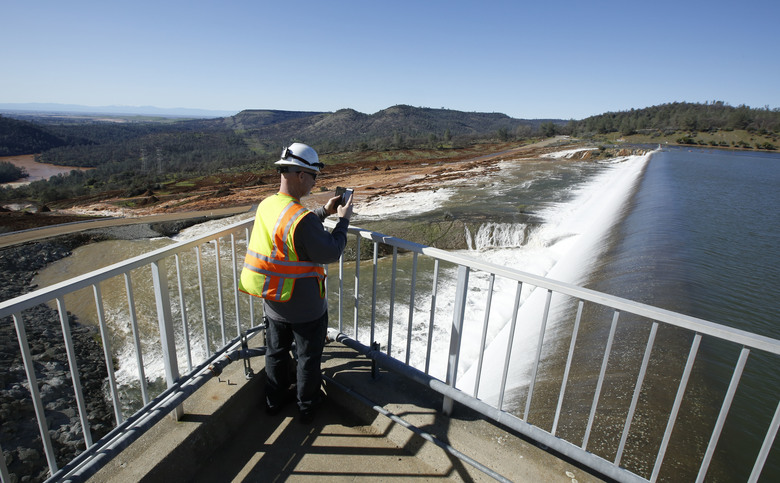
284,266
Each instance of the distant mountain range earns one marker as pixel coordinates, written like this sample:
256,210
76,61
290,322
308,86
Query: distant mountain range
255,130
54,108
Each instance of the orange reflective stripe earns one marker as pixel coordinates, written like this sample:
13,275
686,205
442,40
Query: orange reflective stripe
266,266
282,230
271,288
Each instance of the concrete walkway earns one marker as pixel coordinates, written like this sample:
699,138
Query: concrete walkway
225,436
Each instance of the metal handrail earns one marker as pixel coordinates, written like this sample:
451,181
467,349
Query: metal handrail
449,388
661,315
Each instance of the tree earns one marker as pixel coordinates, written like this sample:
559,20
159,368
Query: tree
10,172
548,129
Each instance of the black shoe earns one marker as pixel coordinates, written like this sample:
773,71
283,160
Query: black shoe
306,416
289,397
271,410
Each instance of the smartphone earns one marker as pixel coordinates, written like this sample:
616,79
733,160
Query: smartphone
346,196
345,193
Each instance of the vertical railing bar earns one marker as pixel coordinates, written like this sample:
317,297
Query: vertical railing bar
184,325
4,474
509,343
356,297
74,372
139,357
569,358
538,354
637,390
40,413
411,309
434,292
251,301
392,302
341,293
219,291
202,289
676,407
234,263
327,285
107,352
165,323
375,263
602,375
252,298
724,411
483,340
456,333
766,446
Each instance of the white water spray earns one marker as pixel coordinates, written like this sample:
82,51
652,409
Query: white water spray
564,248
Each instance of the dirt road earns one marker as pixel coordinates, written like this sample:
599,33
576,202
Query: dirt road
66,228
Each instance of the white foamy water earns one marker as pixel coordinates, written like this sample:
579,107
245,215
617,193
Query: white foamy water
210,226
497,235
567,154
564,248
402,205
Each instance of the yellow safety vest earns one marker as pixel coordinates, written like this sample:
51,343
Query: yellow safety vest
271,266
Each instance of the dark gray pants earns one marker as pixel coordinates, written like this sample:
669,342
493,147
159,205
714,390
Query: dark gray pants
309,340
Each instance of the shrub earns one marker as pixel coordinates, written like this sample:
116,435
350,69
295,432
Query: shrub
10,172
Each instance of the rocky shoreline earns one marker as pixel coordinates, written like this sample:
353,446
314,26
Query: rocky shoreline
19,435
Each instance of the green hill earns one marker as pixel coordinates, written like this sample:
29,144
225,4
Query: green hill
21,137
347,129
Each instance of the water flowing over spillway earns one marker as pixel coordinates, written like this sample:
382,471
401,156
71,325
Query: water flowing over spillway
564,248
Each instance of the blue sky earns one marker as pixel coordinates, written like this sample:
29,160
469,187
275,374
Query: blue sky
544,59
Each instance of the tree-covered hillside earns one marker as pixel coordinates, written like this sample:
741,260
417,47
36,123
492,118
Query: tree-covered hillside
21,137
682,116
392,128
252,136
132,156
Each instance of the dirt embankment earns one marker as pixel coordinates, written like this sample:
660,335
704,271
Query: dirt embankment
369,179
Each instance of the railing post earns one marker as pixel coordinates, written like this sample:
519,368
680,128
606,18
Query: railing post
167,335
341,293
40,413
456,334
107,352
234,260
220,298
357,288
201,287
4,475
74,372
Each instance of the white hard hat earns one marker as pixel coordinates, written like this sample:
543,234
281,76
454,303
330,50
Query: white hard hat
301,155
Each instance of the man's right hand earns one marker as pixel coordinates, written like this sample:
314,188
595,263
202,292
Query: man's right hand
345,210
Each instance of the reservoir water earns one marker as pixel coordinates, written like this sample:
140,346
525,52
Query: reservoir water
694,231
701,236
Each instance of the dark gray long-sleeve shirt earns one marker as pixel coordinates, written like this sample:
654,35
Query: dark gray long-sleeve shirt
315,244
